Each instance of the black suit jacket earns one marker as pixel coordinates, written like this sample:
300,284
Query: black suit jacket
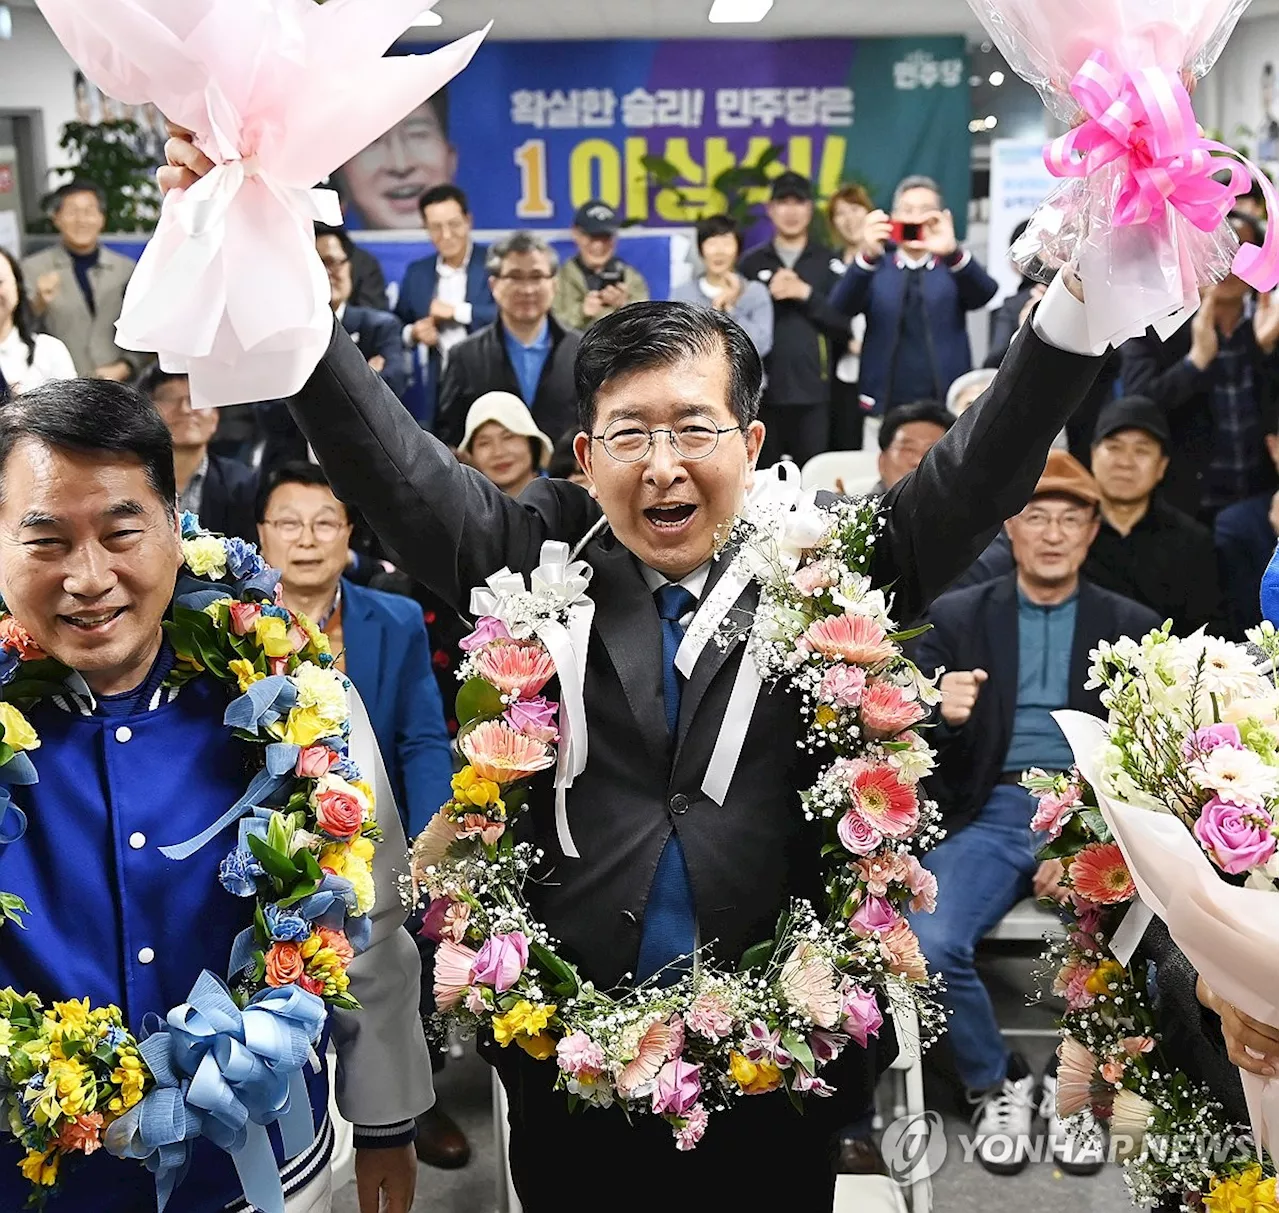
452,529
226,506
1160,370
977,628
378,332
480,363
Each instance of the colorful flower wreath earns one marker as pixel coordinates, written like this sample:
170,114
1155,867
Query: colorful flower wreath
1172,1136
72,1078
684,1050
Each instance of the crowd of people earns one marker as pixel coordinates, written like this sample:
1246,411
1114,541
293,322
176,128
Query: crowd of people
1158,501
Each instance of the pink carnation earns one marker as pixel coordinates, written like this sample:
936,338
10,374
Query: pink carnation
1051,811
878,872
842,686
887,711
695,1125
902,950
579,1056
1077,992
708,1018
820,575
477,825
923,885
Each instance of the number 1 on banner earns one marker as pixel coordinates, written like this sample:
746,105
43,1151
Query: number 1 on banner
531,160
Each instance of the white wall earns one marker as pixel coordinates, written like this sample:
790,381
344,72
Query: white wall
37,74
1230,96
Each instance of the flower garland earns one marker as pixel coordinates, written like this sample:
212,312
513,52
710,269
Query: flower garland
685,1050
72,1078
1172,1137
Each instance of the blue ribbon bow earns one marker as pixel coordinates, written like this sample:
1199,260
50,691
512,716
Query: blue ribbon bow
225,1074
13,821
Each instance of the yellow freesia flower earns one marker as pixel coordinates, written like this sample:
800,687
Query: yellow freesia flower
205,556
245,674
470,789
1105,975
131,1078
272,635
18,733
524,1019
41,1167
310,946
314,634
538,1047
754,1077
214,609
1247,1192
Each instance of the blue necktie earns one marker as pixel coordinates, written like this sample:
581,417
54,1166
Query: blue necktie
670,926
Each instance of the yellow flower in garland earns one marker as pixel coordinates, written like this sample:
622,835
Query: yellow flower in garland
754,1077
470,789
68,1020
538,1047
131,1078
322,689
41,1167
215,609
318,639
1107,974
306,726
77,1091
18,733
361,876
272,635
361,848
205,556
245,674
6,1037
333,858
524,1019
1247,1192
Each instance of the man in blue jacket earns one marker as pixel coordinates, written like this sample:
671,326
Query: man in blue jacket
915,283
443,297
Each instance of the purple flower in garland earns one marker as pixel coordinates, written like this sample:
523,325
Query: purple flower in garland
237,873
243,560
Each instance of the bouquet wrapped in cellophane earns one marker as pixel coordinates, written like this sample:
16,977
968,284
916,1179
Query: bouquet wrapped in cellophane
1144,199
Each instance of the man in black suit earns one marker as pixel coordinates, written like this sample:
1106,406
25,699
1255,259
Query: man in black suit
376,332
218,489
526,351
800,273
1016,649
648,528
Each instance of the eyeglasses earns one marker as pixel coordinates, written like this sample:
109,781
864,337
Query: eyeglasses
335,263
325,530
534,279
1071,525
627,442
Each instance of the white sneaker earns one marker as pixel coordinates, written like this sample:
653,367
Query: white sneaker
1003,1122
1077,1150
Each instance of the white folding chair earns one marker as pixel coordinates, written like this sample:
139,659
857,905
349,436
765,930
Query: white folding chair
852,472
508,1201
906,1080
1027,922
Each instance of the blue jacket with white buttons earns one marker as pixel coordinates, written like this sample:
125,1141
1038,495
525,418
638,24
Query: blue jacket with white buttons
114,920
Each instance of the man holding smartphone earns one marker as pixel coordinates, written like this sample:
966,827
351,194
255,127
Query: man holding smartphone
915,283
597,281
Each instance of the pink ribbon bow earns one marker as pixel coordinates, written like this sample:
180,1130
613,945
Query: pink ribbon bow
1145,119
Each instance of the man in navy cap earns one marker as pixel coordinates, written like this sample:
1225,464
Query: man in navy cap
597,281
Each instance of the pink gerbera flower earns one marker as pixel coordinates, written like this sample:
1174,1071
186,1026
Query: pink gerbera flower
887,804
810,983
515,667
1078,1086
1099,874
902,950
499,753
886,710
454,965
651,1052
851,638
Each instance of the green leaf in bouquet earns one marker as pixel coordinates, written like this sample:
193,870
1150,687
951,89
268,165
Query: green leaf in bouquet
794,1096
909,634
12,907
345,1002
477,700
563,973
1094,821
799,1049
756,956
303,889
310,869
276,864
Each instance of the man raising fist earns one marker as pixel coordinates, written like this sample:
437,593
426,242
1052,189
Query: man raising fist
959,693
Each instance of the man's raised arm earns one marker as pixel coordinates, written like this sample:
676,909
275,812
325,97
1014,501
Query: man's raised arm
943,515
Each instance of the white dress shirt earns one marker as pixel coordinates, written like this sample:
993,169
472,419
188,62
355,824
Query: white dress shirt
52,361
695,583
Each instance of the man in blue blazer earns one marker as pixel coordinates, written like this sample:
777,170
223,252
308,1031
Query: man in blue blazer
443,297
375,332
915,283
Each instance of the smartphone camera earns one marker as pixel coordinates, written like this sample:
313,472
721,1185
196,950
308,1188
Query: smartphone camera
903,231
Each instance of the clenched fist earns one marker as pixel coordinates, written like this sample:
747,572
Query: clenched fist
960,690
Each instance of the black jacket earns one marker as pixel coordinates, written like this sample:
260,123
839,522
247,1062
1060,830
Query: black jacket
798,367
226,505
977,628
377,332
480,364
453,529
1161,371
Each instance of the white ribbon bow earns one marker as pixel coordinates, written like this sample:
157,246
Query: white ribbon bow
566,583
788,520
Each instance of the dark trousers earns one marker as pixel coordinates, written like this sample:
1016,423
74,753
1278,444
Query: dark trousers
847,417
798,430
760,1154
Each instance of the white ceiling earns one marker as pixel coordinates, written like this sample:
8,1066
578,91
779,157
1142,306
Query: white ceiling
560,19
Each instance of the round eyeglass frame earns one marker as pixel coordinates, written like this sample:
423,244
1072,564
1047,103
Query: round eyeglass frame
603,439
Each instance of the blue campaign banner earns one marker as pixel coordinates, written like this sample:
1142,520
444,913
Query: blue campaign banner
531,131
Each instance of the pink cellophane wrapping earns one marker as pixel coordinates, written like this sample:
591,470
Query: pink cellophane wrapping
278,93
1230,935
1136,274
